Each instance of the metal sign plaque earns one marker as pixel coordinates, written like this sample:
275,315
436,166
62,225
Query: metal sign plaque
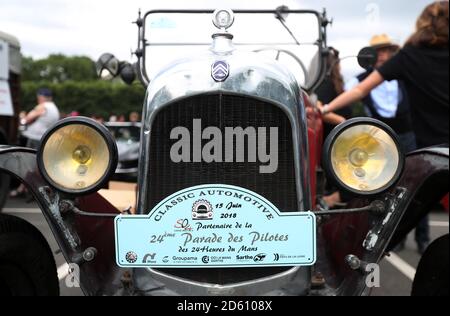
215,226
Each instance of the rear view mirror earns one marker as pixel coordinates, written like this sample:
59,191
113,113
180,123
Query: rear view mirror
107,66
127,72
367,57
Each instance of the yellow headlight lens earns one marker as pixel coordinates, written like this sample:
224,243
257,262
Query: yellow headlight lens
365,158
76,157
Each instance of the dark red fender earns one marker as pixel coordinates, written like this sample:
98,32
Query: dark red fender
315,142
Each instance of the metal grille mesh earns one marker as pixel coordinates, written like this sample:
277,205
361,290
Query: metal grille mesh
222,111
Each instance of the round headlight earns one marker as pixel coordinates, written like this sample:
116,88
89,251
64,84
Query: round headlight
363,156
77,156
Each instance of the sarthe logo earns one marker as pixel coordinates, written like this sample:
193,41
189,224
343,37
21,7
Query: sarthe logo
259,257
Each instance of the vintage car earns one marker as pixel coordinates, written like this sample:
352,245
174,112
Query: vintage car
10,64
127,136
230,130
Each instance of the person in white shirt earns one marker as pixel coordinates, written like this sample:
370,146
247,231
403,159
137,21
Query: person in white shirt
38,121
41,118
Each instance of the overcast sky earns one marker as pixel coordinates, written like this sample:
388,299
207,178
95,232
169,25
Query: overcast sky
91,27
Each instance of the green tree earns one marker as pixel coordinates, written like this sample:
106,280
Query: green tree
76,87
58,68
99,98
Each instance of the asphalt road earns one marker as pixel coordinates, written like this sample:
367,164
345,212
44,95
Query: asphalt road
397,271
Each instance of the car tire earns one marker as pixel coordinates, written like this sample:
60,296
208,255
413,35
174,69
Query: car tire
27,266
433,271
5,181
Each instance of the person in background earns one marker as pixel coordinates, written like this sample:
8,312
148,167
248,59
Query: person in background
22,115
22,128
98,119
37,122
423,65
41,118
134,117
330,88
389,101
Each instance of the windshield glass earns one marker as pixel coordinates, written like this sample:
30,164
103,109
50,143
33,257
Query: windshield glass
171,36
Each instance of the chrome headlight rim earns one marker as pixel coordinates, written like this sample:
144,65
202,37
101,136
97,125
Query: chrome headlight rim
110,144
334,135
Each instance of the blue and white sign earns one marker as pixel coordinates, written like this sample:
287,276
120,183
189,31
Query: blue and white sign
215,226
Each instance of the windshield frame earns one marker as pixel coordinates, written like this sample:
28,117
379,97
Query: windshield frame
321,41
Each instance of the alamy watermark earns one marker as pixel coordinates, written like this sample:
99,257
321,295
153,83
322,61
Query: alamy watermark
373,14
72,280
231,147
373,275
